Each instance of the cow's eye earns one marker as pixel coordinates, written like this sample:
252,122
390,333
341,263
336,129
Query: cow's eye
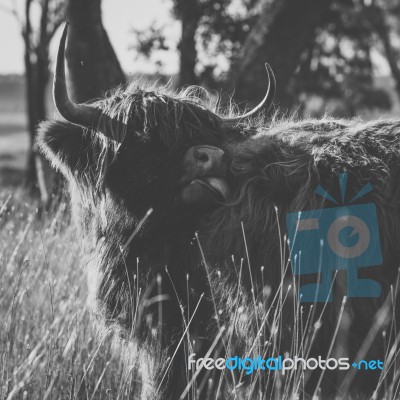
202,156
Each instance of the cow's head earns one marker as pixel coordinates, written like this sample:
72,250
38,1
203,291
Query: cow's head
137,149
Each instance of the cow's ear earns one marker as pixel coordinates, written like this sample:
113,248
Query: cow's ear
65,145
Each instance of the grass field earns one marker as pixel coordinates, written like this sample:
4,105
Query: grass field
48,349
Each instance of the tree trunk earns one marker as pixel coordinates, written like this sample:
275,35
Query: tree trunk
37,77
37,81
40,178
254,40
377,19
189,16
290,32
92,63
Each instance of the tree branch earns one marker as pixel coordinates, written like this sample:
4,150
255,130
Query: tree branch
7,10
13,11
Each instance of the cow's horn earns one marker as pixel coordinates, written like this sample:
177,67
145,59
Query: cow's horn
266,103
80,114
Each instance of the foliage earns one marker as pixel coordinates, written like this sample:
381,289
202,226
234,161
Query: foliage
337,65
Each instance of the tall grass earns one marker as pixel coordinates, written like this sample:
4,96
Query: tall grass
49,350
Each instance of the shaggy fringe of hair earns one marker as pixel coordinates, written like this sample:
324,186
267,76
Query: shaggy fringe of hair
178,115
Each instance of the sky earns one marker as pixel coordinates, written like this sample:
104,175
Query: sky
119,17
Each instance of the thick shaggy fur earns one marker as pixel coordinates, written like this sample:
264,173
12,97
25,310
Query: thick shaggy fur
281,167
148,291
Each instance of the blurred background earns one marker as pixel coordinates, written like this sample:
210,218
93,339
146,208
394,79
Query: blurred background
337,57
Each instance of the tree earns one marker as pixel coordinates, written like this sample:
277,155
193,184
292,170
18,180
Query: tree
189,14
305,41
93,67
37,61
92,62
290,32
338,66
377,15
255,40
148,41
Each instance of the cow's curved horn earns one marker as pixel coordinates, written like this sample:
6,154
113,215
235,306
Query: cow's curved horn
265,103
80,114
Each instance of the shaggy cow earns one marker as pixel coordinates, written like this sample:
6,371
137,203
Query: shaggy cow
183,212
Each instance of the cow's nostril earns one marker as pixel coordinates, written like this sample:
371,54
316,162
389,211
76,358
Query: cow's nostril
203,157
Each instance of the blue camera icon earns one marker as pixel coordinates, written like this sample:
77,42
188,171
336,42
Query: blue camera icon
341,238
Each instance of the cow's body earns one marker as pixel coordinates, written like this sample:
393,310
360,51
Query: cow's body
271,174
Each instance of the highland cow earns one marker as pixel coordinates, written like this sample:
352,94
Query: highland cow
183,214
